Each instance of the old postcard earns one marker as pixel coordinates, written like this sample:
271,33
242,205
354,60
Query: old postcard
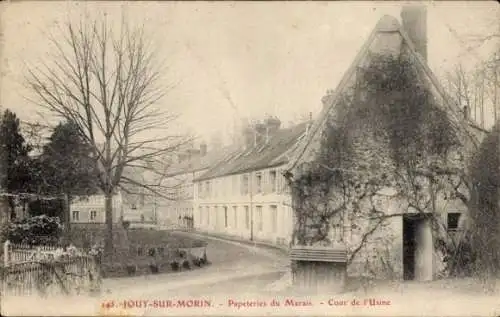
250,158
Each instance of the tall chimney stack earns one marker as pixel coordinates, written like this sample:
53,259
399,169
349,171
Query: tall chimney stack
414,19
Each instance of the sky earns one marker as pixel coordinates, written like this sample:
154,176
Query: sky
240,59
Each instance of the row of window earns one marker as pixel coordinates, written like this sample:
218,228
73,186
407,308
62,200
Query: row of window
183,192
76,215
219,215
183,211
258,183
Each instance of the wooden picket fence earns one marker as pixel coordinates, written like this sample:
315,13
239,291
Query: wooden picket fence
46,270
20,253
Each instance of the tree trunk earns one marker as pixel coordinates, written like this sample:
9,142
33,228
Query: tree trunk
4,219
12,207
108,207
66,218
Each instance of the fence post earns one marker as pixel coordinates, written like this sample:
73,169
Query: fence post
38,254
6,253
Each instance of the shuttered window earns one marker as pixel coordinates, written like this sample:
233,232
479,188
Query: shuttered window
244,184
274,218
235,217
272,181
260,222
247,218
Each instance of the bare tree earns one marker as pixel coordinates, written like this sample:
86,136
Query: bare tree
477,89
108,80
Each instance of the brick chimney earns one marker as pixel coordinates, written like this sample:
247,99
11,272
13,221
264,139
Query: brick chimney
260,133
248,137
203,149
414,20
272,126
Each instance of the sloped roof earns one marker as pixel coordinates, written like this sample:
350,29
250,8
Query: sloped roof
273,153
386,25
199,162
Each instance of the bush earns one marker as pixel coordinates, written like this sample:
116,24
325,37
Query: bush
131,269
459,259
154,268
174,265
112,269
161,251
182,254
484,207
36,230
152,252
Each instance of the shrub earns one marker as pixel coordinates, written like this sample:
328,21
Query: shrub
174,265
154,268
197,262
36,230
131,269
111,269
161,251
150,252
485,207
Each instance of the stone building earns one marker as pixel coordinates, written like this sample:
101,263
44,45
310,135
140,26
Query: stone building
90,209
404,245
246,195
178,209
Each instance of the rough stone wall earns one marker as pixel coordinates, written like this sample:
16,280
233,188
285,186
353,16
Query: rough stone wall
376,247
380,256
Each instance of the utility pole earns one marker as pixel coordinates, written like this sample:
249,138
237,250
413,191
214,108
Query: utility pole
251,204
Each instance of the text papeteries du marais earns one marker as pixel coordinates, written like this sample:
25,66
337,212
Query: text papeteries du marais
239,304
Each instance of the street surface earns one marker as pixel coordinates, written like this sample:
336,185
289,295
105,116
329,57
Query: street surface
238,283
254,265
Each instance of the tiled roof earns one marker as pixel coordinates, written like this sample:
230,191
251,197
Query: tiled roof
274,152
198,162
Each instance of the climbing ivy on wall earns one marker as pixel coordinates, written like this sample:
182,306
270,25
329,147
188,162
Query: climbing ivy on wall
386,131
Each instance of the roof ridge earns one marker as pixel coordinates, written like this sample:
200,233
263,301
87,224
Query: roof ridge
386,24
259,157
340,86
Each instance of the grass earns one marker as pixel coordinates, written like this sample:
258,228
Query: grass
140,251
166,238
